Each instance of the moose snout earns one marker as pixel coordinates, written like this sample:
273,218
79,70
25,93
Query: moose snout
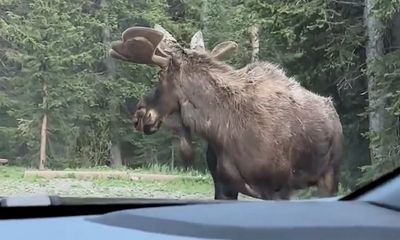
151,117
151,122
147,121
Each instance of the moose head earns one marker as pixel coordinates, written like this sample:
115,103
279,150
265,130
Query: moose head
158,47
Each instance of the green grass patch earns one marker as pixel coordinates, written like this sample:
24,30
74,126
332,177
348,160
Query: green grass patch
8,172
187,186
312,192
191,186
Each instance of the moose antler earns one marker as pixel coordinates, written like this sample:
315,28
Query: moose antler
140,45
168,38
149,46
169,43
224,49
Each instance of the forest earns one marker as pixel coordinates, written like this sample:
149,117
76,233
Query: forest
64,103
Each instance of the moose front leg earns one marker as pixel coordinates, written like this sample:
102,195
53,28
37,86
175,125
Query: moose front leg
223,190
186,147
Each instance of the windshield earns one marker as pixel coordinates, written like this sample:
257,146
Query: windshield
209,99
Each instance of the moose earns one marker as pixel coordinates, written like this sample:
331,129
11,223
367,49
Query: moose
270,135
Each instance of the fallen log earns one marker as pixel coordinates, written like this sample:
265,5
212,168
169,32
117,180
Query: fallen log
3,161
49,174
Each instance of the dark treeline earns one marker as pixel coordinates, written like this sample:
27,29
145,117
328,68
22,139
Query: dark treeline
65,103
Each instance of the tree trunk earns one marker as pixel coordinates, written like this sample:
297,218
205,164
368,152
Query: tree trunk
374,51
172,157
255,43
115,150
115,153
43,132
204,15
395,33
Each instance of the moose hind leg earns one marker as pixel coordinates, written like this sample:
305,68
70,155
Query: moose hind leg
284,194
328,184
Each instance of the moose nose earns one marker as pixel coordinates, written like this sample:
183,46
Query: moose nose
150,117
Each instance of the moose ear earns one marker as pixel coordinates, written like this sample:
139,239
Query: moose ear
197,42
224,50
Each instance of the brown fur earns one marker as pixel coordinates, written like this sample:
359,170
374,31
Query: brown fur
271,134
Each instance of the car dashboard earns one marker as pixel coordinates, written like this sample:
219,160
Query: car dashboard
236,220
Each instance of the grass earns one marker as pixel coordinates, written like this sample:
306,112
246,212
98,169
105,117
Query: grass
12,182
11,172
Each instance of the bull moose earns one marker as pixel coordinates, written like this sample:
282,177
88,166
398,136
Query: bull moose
174,122
271,136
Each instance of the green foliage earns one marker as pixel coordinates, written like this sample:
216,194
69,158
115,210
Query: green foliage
386,9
